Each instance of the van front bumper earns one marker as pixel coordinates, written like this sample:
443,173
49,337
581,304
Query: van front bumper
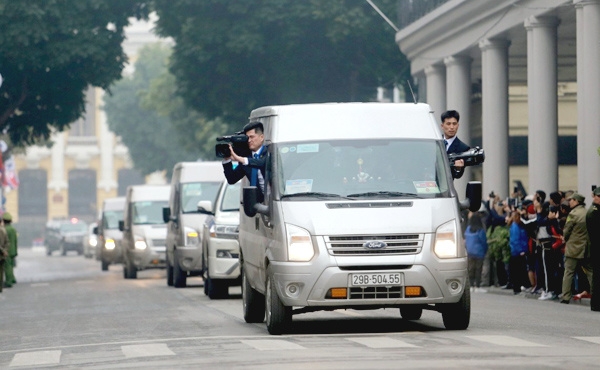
147,258
189,257
297,284
223,258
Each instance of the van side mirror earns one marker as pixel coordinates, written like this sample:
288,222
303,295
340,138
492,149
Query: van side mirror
95,230
121,225
205,207
166,213
473,193
251,204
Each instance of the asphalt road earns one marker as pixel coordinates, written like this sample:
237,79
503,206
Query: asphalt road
64,312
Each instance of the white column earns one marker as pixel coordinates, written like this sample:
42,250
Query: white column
458,97
436,89
542,93
494,65
57,181
588,95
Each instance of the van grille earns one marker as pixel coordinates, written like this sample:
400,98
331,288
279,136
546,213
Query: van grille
378,292
340,245
159,242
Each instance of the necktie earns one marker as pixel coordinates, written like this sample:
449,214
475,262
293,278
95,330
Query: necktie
446,144
254,174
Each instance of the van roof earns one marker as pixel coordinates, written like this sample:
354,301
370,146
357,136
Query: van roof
199,171
137,193
301,122
114,204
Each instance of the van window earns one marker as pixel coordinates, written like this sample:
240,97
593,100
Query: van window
371,168
148,212
193,192
110,219
231,198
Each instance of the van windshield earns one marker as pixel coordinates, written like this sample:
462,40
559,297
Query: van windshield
358,169
148,212
193,192
110,219
231,198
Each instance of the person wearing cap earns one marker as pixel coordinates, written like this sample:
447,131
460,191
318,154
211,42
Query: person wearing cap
453,144
576,247
592,220
9,264
252,167
4,247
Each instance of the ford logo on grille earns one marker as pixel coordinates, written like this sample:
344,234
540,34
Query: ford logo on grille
374,244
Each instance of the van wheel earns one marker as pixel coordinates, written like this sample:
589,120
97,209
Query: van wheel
216,288
179,276
169,271
104,265
131,271
457,315
253,302
279,317
63,251
411,312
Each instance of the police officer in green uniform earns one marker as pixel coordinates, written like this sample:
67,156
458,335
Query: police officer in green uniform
10,262
4,247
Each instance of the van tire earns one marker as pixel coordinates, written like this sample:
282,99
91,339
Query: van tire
253,302
411,312
279,317
131,271
179,276
216,289
457,315
104,265
169,271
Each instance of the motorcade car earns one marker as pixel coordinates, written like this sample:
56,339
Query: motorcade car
65,235
191,183
220,241
90,242
359,212
144,231
110,250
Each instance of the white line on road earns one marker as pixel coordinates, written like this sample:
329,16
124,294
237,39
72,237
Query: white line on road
36,358
146,350
504,340
381,342
271,344
589,339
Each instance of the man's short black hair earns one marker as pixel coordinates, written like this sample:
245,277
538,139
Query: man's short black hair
257,126
450,114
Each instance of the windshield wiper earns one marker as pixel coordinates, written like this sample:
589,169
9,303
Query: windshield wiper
385,194
313,194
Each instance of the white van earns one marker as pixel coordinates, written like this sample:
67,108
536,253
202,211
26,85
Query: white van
144,231
109,236
360,212
191,183
220,241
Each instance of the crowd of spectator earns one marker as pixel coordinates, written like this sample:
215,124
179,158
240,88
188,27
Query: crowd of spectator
536,245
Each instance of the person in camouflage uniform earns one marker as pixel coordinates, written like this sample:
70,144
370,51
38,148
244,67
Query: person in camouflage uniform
10,262
4,247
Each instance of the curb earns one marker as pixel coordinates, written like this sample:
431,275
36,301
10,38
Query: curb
509,292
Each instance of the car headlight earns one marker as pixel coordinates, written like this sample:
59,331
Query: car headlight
223,231
299,244
446,245
110,244
191,237
93,242
140,243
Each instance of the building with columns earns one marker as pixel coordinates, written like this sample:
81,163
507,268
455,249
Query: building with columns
84,165
525,77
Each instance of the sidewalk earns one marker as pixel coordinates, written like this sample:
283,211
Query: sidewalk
509,292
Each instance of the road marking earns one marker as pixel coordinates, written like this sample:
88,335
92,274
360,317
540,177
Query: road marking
349,313
381,342
146,350
504,340
84,281
35,285
589,339
271,344
36,358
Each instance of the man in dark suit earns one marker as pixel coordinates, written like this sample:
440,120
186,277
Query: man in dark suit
453,144
252,167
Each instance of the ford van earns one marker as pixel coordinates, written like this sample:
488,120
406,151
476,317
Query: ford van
360,212
191,183
109,236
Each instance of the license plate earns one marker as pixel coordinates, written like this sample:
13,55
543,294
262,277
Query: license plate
392,278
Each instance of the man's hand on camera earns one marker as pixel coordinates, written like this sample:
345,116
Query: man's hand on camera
234,156
459,163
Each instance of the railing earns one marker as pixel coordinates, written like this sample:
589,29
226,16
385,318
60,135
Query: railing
411,10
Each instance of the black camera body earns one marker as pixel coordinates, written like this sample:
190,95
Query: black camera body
472,157
238,141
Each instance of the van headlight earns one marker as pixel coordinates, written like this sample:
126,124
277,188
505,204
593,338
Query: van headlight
299,244
109,244
191,237
140,243
446,245
224,231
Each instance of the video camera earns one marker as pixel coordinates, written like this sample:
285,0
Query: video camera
472,157
239,142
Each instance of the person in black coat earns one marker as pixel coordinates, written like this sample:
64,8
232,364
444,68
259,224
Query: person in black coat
453,144
252,167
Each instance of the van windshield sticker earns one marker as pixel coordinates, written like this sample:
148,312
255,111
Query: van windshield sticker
298,186
284,150
307,148
426,187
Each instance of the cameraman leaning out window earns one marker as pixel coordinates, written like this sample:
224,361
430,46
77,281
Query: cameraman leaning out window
252,167
453,144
